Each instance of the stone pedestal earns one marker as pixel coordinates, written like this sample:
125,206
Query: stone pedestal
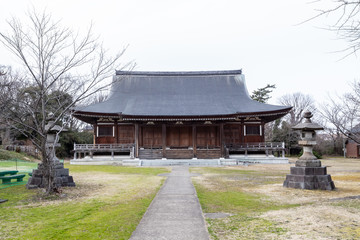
309,178
62,177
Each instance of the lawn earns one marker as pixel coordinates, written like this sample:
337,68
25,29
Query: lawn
261,208
10,160
107,203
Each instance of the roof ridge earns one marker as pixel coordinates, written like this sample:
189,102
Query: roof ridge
179,73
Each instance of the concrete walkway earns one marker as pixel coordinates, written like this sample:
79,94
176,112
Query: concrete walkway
175,212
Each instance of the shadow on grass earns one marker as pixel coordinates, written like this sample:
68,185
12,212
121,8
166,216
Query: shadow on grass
30,215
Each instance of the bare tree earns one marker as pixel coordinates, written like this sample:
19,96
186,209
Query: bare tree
10,82
343,113
282,129
300,103
347,23
61,69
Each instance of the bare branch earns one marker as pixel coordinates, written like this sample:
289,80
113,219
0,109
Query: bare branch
346,25
300,104
61,69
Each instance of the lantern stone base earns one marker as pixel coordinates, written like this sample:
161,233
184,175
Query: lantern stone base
309,178
62,177
308,163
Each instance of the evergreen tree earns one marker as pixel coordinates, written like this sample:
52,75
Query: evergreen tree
262,94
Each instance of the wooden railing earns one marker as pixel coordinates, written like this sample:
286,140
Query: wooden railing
267,147
102,147
201,151
257,146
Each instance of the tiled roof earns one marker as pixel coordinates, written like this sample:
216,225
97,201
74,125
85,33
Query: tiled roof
208,93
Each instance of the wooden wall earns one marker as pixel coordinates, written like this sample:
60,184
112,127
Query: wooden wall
150,136
207,136
105,137
123,134
233,134
179,136
176,136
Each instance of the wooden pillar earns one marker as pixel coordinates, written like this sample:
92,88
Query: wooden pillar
222,149
194,141
242,131
136,140
95,133
163,132
262,131
116,132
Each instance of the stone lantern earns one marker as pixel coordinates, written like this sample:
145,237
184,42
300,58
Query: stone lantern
50,140
61,174
308,172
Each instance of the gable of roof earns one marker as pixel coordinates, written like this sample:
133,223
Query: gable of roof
207,93
356,129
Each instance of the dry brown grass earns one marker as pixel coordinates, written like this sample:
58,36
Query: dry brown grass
317,221
320,214
101,185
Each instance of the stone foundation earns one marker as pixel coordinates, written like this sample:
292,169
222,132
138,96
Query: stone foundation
309,178
62,177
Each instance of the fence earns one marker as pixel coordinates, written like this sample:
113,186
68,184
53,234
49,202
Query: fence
31,150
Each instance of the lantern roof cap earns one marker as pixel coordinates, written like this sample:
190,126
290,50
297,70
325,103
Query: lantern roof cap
307,124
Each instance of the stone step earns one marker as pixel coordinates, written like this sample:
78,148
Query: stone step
176,162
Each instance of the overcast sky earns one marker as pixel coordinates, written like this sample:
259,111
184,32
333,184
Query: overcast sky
261,37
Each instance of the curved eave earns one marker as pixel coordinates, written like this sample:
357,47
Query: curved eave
90,117
306,126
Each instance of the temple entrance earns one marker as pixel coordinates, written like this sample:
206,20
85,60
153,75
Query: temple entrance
207,137
126,134
151,137
179,142
233,134
179,137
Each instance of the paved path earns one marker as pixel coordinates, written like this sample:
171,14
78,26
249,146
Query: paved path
175,212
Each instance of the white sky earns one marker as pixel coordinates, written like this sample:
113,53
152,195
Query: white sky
261,37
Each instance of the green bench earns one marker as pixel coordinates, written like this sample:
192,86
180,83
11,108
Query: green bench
7,179
10,172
